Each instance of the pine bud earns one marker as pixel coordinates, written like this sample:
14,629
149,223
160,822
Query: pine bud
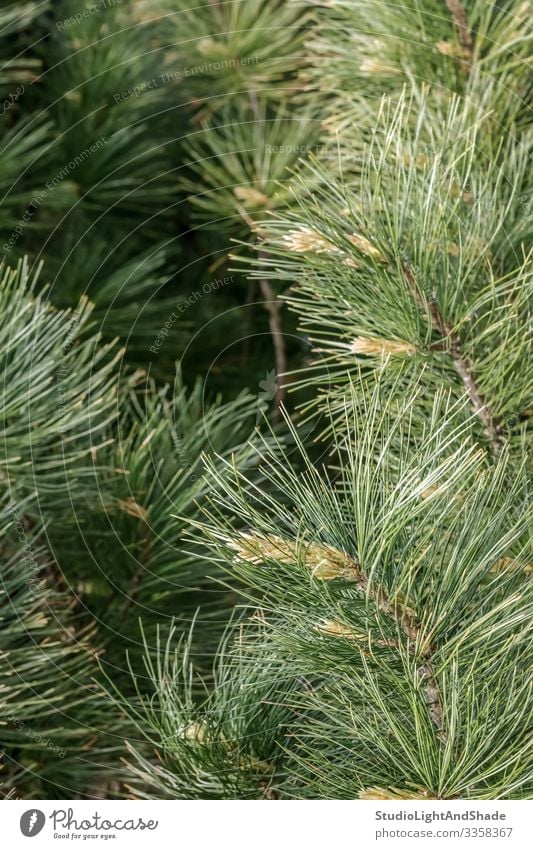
37,620
373,66
376,347
382,794
306,240
195,732
250,196
331,628
366,247
456,51
209,47
130,506
325,562
509,564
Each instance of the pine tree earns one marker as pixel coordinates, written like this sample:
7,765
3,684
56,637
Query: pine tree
100,456
90,494
98,158
195,602
383,647
57,401
388,652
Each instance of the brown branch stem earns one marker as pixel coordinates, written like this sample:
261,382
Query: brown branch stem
451,343
327,563
254,103
274,307
406,621
463,30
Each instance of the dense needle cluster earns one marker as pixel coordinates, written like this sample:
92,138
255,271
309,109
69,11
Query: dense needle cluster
320,588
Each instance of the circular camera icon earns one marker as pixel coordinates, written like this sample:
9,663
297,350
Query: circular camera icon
32,822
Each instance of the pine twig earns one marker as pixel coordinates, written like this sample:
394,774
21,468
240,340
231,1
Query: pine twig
328,563
453,345
272,302
274,307
406,621
463,30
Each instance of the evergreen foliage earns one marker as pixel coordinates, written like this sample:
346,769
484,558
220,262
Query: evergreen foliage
93,492
57,402
405,251
265,524
393,625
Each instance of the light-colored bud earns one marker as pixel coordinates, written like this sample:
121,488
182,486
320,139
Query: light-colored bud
130,506
195,732
209,47
324,561
331,628
250,196
366,247
448,48
374,66
380,347
385,793
38,620
306,240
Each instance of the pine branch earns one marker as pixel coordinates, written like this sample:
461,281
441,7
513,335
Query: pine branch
451,342
387,634
272,303
461,23
406,621
328,563
274,307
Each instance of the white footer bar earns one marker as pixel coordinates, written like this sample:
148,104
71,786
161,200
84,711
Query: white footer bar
266,824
